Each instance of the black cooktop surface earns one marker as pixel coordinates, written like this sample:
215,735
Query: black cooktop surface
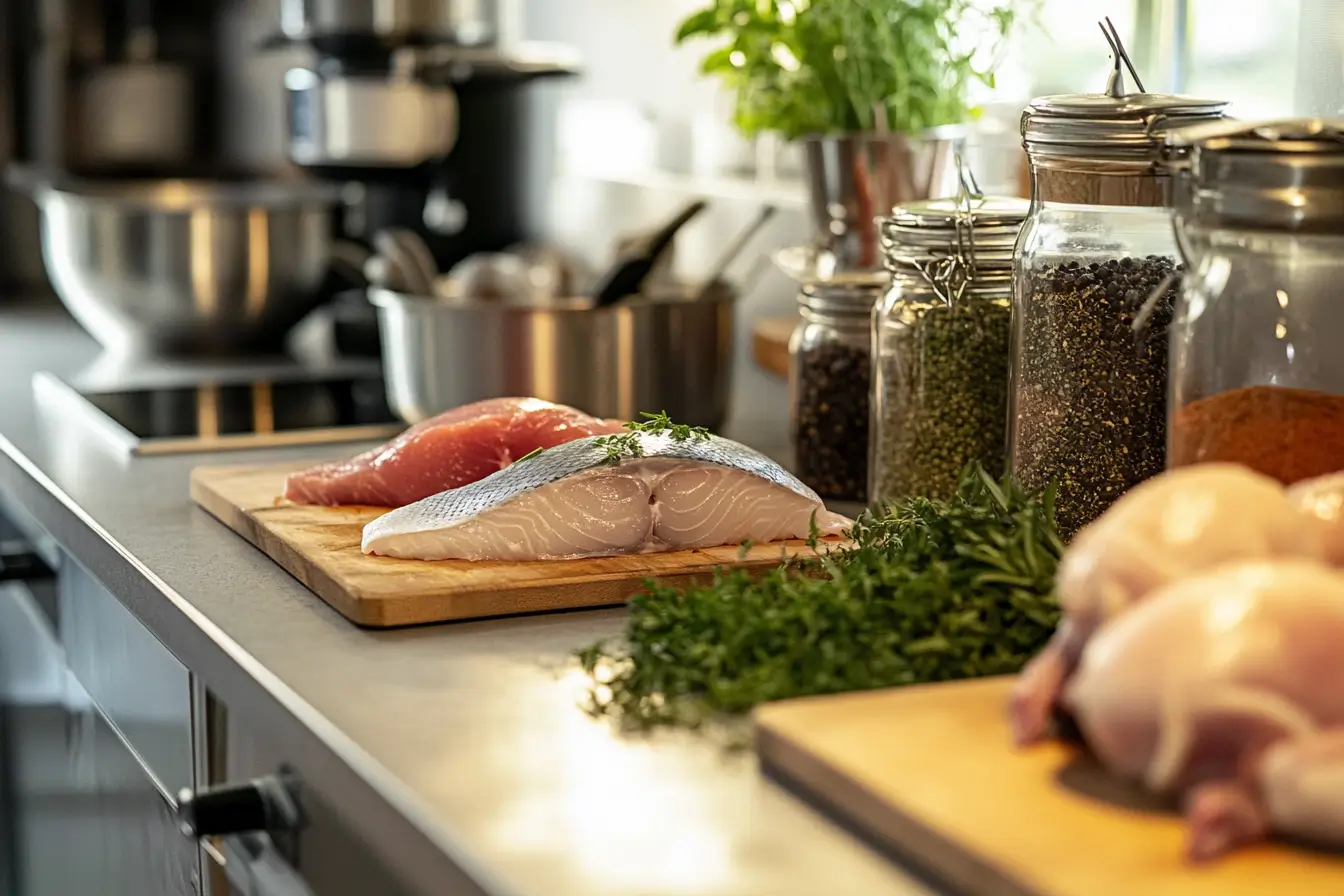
209,416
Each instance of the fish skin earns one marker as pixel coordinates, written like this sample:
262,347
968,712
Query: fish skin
447,451
456,507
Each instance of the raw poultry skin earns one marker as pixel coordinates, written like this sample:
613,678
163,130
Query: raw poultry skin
1178,524
1225,688
453,449
1323,498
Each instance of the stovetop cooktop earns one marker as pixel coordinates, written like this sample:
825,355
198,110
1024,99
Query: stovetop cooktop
217,416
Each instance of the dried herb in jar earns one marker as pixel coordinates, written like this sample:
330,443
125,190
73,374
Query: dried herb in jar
1289,434
831,419
945,398
1091,394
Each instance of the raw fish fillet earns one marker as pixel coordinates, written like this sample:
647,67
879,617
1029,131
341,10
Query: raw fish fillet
568,502
1224,688
447,451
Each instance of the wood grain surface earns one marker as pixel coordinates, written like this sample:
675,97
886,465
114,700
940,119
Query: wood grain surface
319,546
929,772
770,344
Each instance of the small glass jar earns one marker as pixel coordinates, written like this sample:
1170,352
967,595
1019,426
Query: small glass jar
829,381
1089,373
1257,374
941,346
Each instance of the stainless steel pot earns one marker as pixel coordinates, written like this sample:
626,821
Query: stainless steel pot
668,351
171,267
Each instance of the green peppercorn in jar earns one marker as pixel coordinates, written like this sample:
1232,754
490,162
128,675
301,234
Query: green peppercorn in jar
1096,277
940,341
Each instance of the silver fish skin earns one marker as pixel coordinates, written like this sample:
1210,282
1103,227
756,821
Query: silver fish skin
456,506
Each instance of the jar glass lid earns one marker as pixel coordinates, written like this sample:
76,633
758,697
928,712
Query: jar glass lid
1118,126
1285,174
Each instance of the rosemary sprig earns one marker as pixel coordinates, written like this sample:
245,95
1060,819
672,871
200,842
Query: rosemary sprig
627,444
925,591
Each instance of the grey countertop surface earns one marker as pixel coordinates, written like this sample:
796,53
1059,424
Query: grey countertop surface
457,751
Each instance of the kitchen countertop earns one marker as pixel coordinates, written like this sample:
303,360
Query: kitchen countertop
458,751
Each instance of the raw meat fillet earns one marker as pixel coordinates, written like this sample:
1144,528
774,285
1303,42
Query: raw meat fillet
570,502
1179,523
447,451
1225,688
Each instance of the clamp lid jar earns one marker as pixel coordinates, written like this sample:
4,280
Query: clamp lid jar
829,381
941,345
1087,407
1257,376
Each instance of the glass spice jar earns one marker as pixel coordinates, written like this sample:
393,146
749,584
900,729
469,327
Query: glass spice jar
829,381
940,345
1089,353
1257,375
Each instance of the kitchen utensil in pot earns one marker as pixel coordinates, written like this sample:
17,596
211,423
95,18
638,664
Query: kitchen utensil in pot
627,276
665,351
736,246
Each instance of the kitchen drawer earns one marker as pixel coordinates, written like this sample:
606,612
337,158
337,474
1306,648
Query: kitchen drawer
132,678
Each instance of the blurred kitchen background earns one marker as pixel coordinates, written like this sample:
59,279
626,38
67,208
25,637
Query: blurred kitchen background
612,131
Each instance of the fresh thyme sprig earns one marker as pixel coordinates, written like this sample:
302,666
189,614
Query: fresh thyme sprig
924,591
627,444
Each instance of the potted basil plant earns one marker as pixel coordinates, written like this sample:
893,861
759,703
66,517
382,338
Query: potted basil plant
877,91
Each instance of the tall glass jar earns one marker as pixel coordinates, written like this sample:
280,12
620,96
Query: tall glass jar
940,346
1257,369
829,381
1089,372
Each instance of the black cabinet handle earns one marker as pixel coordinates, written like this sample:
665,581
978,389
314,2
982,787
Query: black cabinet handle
19,562
261,805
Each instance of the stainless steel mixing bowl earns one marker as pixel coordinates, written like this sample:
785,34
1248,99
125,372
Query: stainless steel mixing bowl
177,267
667,351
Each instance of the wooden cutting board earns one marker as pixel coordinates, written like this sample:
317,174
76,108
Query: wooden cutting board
319,546
929,773
770,344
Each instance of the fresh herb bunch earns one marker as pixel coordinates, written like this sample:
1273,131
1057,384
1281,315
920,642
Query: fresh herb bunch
802,67
929,591
627,444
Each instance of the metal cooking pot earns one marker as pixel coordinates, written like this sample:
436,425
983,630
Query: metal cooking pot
179,267
672,351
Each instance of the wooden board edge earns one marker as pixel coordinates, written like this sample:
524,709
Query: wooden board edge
252,531
932,853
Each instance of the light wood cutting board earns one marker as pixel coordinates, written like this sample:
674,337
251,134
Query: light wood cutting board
319,546
929,773
770,344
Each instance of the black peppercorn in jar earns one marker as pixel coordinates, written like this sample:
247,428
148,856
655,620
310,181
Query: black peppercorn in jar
829,381
1095,278
940,346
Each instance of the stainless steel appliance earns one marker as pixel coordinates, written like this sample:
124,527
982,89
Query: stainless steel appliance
437,112
669,350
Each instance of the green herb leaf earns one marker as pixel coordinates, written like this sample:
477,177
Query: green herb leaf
529,455
624,445
924,591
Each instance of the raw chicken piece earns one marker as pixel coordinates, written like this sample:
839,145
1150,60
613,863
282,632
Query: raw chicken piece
1176,524
1224,688
569,502
447,451
1323,498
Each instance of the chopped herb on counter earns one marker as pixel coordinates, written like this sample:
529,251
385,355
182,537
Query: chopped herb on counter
930,591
